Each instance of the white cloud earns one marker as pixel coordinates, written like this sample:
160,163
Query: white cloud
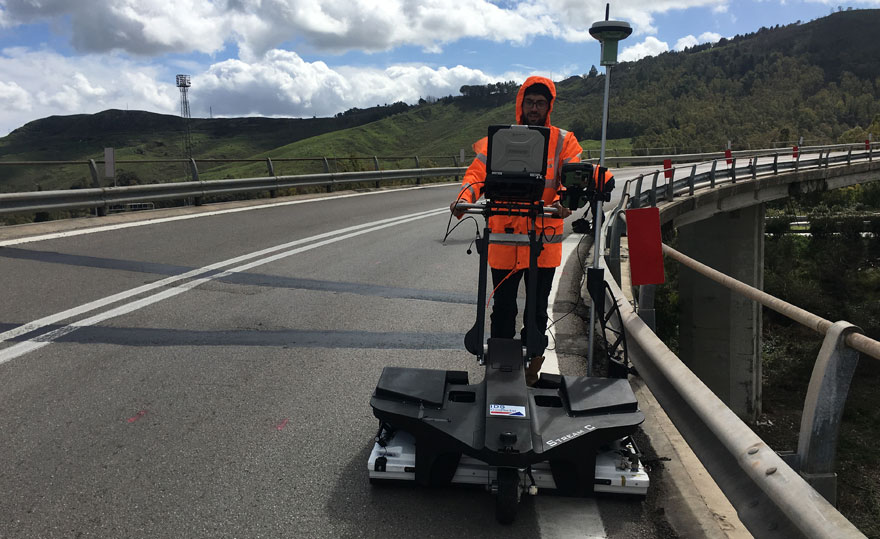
836,3
651,46
283,84
685,42
690,40
280,83
155,27
14,97
43,83
117,38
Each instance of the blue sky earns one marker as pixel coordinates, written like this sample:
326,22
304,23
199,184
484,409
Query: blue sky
303,58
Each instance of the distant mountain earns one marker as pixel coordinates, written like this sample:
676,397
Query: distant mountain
818,80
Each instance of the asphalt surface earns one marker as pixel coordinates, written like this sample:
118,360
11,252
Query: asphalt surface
235,402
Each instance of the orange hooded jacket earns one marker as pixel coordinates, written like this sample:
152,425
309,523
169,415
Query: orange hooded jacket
564,148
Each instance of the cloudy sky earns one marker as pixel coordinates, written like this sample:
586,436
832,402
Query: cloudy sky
303,58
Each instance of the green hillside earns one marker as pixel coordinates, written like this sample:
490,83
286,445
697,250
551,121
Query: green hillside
816,80
139,135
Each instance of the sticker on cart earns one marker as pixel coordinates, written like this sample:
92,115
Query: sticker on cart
507,410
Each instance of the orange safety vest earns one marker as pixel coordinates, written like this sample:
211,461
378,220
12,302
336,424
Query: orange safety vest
564,148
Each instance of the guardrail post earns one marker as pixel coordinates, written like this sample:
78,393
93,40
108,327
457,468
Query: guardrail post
636,201
274,192
645,305
753,163
327,170
193,170
849,157
101,211
194,173
376,162
827,157
733,170
797,162
93,169
775,164
691,180
670,192
823,409
614,244
419,166
653,194
712,173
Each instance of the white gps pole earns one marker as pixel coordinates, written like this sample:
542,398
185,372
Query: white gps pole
609,33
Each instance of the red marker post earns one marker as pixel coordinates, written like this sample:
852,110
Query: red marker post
645,246
794,151
867,144
667,168
729,156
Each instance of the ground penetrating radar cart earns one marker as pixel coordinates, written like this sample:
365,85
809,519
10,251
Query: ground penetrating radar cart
567,433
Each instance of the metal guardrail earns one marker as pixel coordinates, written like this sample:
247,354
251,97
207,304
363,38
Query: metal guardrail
730,172
102,197
773,499
709,156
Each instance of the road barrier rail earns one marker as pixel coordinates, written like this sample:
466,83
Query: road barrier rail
776,495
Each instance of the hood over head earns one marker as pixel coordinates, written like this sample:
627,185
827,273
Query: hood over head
522,92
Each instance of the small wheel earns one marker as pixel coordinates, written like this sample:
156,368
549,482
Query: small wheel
507,498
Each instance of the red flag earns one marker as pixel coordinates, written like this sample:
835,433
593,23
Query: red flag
645,247
667,168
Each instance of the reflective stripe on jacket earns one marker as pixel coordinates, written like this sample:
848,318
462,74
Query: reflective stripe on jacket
564,148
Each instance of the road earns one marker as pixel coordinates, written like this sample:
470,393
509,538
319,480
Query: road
210,376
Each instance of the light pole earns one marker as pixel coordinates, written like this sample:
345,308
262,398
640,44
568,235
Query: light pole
609,33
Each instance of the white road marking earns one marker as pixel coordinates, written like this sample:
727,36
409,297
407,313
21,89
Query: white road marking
569,245
120,226
560,517
30,345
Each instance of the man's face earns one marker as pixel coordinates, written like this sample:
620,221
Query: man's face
534,109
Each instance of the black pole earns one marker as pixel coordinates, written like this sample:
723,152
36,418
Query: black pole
473,339
532,338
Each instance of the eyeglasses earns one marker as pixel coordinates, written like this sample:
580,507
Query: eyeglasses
540,104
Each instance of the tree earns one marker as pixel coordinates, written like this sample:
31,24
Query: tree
593,72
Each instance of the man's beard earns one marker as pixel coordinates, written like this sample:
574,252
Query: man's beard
540,121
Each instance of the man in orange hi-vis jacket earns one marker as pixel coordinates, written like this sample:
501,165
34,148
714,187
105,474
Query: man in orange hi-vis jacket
510,263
